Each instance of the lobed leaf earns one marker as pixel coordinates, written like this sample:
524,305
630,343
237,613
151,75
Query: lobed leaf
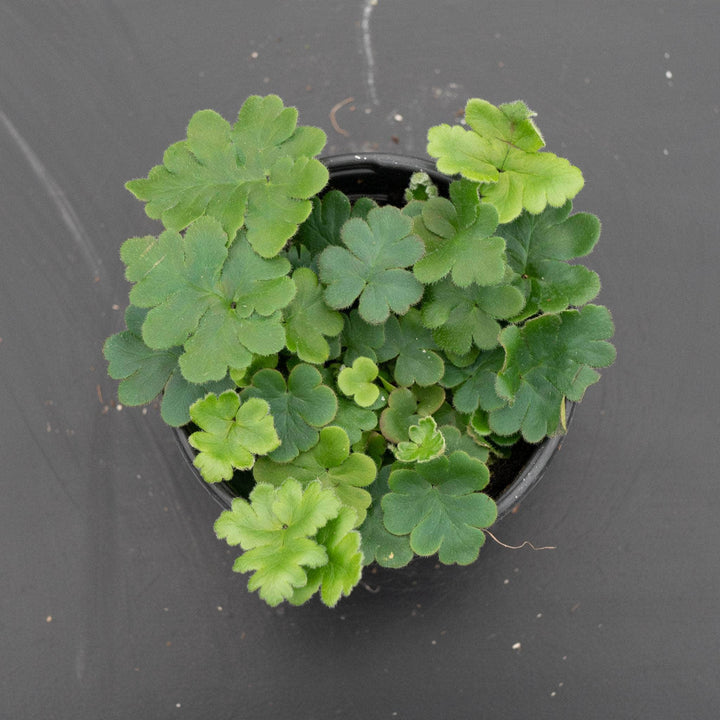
461,318
343,569
539,248
459,239
145,373
502,152
371,265
426,442
411,344
276,529
357,381
260,172
332,464
379,545
231,434
308,320
438,504
550,358
298,408
197,295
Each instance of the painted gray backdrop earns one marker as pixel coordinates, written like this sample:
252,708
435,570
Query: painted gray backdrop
117,601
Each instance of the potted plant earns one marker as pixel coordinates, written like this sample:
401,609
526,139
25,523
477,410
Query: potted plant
359,363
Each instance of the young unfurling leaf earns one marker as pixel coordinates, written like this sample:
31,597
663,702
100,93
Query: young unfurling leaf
371,265
276,529
426,442
260,172
438,504
502,151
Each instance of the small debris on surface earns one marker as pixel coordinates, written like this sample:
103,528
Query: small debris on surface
517,646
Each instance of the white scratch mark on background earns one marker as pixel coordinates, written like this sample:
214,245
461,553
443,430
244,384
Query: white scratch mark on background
66,210
367,47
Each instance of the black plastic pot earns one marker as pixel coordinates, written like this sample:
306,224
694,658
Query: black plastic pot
384,177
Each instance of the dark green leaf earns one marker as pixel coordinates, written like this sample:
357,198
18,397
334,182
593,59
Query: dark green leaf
371,265
298,408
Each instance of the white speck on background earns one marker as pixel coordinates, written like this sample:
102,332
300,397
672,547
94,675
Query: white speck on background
517,646
668,74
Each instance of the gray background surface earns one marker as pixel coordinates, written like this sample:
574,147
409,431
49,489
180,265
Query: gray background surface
116,599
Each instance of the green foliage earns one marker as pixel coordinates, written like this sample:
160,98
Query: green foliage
426,442
277,530
459,239
197,296
357,381
502,152
308,320
330,462
371,265
299,407
438,504
410,344
461,318
366,363
230,434
550,358
259,173
144,373
378,543
539,248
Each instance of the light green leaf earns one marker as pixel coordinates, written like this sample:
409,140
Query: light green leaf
502,151
277,529
439,505
426,442
371,265
357,381
331,463
298,408
230,434
260,173
343,569
308,319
